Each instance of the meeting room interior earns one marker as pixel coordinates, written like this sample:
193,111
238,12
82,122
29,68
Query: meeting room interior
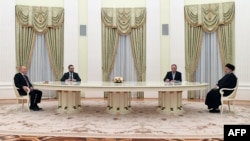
122,50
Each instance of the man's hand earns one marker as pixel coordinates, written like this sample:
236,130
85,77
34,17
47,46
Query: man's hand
26,89
31,88
216,87
68,79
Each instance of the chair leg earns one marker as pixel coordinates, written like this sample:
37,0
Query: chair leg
233,106
228,105
22,104
221,109
17,104
28,105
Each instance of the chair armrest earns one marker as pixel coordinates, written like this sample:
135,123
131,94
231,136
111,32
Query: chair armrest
223,89
28,92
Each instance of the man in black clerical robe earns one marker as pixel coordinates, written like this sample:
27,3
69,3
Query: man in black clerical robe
213,98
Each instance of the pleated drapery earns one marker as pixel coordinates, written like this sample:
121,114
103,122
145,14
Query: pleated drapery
32,20
218,17
122,21
208,18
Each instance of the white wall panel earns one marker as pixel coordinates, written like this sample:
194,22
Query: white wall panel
71,34
7,48
49,3
153,37
242,43
7,40
94,41
242,48
94,44
176,33
191,2
123,3
153,44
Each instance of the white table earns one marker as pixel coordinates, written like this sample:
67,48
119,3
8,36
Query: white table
69,99
119,99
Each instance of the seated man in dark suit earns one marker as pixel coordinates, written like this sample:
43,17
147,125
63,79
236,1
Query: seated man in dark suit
71,75
173,75
23,84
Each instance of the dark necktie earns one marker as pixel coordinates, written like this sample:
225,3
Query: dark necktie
26,80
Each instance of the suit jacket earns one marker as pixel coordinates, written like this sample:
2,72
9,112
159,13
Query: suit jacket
170,77
20,82
67,76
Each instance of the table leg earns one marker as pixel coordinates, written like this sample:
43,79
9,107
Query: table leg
170,102
119,102
160,99
69,102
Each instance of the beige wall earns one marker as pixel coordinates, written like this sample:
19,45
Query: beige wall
165,42
83,40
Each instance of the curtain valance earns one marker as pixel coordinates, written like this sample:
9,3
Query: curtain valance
124,19
40,18
210,16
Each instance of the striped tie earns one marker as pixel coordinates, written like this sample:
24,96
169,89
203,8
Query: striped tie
26,80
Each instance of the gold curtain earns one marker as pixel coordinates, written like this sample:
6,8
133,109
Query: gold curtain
217,17
33,19
210,16
123,19
55,45
109,49
226,43
138,41
39,18
193,40
25,37
117,21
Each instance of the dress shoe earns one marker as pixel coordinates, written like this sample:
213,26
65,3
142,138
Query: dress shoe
214,111
35,109
39,107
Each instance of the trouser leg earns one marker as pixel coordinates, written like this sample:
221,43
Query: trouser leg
32,99
35,97
38,96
